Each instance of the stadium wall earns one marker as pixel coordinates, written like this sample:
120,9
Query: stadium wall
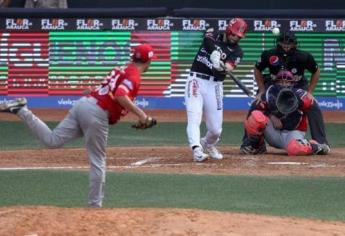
52,55
220,4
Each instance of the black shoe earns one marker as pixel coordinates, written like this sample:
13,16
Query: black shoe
13,106
319,148
250,150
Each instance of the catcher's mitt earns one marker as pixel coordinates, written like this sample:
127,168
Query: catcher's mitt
287,101
149,123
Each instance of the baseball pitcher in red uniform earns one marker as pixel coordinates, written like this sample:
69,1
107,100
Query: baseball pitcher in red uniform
91,115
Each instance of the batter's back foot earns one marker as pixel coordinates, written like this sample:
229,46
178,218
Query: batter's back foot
211,149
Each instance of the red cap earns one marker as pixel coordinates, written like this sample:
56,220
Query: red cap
143,52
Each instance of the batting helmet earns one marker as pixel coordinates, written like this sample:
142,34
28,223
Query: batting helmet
237,26
287,101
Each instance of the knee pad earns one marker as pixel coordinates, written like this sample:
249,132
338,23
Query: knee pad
256,123
299,147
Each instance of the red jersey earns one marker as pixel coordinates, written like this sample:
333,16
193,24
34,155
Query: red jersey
120,81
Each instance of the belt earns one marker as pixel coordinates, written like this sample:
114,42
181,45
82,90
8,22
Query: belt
203,76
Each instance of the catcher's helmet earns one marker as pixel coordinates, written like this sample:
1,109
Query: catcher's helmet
237,26
284,74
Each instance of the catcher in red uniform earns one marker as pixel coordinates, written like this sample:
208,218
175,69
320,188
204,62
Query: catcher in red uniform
280,120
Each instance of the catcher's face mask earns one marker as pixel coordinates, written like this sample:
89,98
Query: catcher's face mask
286,42
284,79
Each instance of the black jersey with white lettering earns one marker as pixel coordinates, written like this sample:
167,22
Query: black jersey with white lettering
296,61
230,53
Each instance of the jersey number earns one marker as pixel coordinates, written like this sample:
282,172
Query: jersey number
109,83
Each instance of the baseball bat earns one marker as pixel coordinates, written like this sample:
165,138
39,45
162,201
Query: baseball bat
241,85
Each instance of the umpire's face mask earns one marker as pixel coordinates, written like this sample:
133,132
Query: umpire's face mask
286,47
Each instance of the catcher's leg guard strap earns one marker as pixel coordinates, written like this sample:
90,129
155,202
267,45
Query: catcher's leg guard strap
256,123
298,147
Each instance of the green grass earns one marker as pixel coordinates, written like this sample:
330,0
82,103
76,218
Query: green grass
14,135
307,197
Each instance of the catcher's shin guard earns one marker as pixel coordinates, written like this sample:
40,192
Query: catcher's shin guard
256,123
254,142
299,147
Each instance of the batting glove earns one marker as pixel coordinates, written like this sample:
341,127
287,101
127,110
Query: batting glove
216,62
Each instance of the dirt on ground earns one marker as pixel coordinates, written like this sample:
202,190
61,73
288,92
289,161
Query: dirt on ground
43,220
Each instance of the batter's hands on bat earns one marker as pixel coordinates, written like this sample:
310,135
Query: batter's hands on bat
148,123
216,62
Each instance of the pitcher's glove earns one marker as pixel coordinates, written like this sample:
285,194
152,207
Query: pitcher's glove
149,123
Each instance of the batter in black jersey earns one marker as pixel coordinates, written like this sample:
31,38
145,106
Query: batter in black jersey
218,54
230,55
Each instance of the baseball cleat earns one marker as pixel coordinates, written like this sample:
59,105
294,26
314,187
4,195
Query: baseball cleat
249,150
13,106
211,149
199,155
319,148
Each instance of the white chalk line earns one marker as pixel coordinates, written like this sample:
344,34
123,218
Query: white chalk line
319,165
44,168
85,167
287,163
142,162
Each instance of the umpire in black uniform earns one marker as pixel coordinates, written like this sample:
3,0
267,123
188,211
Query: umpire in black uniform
287,56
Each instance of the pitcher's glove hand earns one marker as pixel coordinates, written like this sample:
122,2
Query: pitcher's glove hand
149,123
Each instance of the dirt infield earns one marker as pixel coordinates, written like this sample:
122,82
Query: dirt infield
62,221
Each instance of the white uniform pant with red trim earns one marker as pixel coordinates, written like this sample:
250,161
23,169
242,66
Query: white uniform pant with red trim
203,98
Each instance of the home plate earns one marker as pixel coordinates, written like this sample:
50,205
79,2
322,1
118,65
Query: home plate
287,163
